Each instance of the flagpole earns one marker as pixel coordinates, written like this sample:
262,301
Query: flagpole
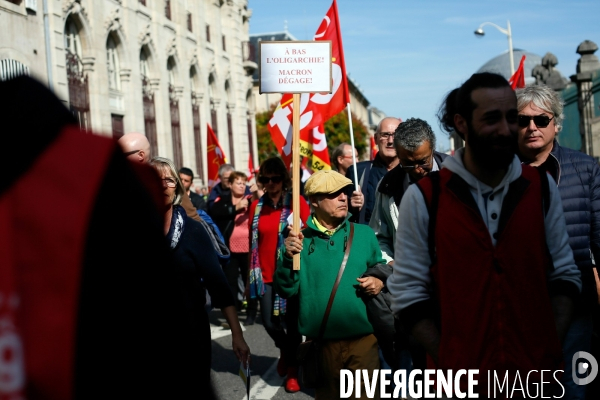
296,174
353,147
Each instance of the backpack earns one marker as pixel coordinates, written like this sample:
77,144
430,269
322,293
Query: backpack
432,204
216,238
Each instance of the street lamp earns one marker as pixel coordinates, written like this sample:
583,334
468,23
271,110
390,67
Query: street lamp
479,32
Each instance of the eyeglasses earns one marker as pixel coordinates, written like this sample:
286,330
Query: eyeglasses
266,179
169,182
417,164
386,135
541,121
131,152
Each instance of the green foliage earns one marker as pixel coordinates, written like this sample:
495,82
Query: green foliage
336,130
266,147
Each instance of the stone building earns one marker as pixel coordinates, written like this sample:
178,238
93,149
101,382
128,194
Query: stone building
162,67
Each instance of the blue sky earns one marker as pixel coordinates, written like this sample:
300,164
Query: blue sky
406,55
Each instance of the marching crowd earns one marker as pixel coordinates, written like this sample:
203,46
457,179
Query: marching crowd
479,260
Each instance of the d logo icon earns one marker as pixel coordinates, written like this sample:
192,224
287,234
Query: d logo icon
588,368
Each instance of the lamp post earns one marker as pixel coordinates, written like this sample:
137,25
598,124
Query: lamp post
479,32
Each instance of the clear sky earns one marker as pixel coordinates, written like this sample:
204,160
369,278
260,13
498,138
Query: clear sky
406,55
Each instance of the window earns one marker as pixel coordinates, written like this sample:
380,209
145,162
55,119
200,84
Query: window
224,43
117,125
72,41
142,2
189,22
112,63
174,110
168,9
208,33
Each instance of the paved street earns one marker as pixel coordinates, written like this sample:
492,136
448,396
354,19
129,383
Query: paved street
265,382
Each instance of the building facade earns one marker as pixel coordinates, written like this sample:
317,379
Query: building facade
165,68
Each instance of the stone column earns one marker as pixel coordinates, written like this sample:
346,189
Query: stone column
586,64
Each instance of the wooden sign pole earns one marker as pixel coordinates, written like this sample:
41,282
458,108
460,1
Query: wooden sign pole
296,172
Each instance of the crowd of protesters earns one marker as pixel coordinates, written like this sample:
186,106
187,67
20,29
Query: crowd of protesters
480,260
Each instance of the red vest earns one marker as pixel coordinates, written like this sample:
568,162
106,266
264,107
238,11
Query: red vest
495,309
41,251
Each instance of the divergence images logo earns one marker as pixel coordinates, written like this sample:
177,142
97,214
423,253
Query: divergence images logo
584,368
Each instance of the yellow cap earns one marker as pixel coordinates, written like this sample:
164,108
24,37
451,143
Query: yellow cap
325,182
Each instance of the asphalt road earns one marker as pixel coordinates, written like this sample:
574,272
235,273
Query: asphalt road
265,382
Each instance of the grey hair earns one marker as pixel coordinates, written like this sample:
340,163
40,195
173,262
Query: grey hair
338,152
225,168
412,133
162,164
542,97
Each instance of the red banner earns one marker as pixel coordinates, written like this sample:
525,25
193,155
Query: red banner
315,108
517,81
374,148
215,156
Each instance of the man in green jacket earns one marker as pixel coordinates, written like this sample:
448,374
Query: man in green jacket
349,342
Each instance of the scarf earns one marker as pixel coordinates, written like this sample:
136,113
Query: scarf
177,226
257,286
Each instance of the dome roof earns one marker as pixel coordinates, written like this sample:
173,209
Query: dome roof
501,64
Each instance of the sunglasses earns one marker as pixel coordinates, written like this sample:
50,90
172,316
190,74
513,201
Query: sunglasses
541,121
266,179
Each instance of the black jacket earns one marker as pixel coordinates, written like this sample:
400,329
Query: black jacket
378,170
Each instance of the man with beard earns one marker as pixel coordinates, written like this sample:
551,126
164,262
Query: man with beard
483,275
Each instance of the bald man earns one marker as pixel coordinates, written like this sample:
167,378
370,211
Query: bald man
137,149
371,172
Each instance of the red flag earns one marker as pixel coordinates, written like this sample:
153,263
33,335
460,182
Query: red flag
374,148
315,108
215,156
250,167
517,81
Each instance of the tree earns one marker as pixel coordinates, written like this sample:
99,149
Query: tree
336,131
266,147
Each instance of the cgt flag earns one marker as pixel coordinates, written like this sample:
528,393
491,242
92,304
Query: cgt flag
315,108
215,156
517,81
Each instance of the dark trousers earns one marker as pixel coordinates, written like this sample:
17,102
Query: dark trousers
237,266
283,331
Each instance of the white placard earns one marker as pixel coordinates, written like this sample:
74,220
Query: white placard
295,67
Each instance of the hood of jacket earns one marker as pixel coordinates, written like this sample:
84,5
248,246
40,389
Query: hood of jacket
456,165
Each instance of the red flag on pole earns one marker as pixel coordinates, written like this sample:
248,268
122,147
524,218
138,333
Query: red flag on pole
374,148
215,156
315,108
250,167
517,81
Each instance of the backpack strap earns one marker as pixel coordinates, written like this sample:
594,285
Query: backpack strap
430,188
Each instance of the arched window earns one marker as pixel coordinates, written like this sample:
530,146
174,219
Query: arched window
72,40
229,107
112,63
148,101
197,125
213,107
144,67
174,107
79,98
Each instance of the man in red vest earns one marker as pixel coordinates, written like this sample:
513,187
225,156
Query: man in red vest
483,273
89,303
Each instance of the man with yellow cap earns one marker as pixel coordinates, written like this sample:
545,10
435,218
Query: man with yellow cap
348,340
